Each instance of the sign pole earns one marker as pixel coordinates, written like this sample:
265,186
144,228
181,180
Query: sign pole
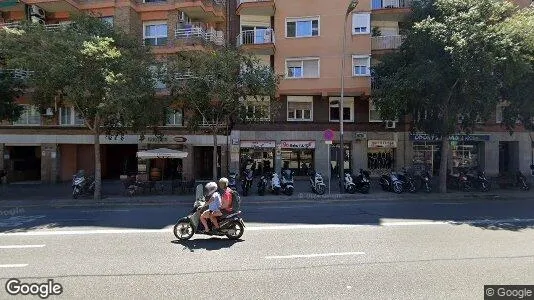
328,137
329,169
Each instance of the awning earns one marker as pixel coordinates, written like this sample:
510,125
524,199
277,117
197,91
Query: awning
162,153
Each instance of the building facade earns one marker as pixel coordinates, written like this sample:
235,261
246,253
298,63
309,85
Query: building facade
302,41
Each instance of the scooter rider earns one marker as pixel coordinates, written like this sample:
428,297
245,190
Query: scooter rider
226,194
214,209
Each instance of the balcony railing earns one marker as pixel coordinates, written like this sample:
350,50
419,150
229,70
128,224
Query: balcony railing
245,1
17,73
18,25
380,4
256,37
198,33
386,42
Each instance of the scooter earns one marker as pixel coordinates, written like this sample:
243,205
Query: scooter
348,183
247,181
521,181
230,225
287,183
407,181
274,185
391,182
262,185
232,181
426,181
82,184
478,179
363,182
458,181
317,183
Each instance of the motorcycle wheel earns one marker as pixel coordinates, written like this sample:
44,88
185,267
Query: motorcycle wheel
289,191
465,186
235,230
428,188
365,189
320,189
75,193
351,189
397,187
484,187
524,186
183,230
261,192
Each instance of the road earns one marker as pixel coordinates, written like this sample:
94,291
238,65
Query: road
335,250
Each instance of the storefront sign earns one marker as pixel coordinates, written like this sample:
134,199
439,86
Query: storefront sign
298,144
455,137
165,140
358,136
258,144
382,144
235,141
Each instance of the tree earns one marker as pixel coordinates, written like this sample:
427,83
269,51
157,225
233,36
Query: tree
10,89
217,88
452,66
103,73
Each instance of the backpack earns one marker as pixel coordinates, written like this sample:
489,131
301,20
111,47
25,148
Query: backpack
236,201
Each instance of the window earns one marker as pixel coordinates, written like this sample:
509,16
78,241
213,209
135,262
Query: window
255,35
302,27
302,68
374,114
361,65
175,117
68,116
300,108
159,85
361,23
348,109
30,116
108,20
258,109
155,34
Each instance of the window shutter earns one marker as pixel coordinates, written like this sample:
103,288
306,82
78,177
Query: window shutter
311,68
361,21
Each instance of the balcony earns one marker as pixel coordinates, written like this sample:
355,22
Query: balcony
197,34
390,10
259,41
51,27
205,10
55,6
391,42
256,7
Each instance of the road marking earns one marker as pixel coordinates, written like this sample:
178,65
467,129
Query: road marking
21,246
14,266
106,210
314,255
449,203
275,227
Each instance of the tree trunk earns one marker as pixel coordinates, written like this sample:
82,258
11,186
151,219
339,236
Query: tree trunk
98,169
215,156
443,167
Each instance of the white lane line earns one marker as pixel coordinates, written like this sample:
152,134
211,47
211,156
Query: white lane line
106,210
21,246
275,227
314,255
14,266
449,203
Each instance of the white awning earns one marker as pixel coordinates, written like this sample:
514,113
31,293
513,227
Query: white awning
162,153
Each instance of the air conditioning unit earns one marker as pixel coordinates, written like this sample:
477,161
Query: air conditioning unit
390,124
36,11
49,112
183,18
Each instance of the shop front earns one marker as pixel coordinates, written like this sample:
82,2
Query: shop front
334,159
260,154
299,156
381,156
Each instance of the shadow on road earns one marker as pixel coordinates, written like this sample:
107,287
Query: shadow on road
206,244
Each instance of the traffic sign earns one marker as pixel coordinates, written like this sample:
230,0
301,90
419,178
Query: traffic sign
328,135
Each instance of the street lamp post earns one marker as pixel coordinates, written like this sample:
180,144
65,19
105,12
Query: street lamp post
352,5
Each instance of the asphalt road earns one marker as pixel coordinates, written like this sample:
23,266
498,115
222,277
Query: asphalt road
368,250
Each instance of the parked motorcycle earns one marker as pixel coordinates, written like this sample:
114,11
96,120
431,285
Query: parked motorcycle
458,181
363,182
262,185
274,185
230,225
521,181
408,181
317,183
287,182
391,182
478,179
232,181
348,184
247,181
425,180
82,184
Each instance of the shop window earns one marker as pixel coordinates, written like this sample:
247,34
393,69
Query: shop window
380,161
299,161
465,155
262,160
348,109
427,156
299,108
334,159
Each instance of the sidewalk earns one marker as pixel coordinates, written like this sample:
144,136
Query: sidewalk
58,195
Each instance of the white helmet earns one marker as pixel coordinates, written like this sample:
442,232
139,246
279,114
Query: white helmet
211,187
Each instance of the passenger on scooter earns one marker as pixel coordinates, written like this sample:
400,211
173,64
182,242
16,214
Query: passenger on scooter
226,193
214,209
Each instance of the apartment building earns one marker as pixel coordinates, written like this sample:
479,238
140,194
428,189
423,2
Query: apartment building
302,40
52,145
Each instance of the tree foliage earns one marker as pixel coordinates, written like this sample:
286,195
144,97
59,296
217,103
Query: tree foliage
103,73
10,89
217,87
